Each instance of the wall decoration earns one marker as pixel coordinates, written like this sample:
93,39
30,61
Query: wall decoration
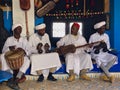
46,8
24,15
25,6
6,5
76,9
106,6
107,21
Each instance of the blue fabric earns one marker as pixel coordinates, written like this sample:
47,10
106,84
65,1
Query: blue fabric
5,76
116,68
61,70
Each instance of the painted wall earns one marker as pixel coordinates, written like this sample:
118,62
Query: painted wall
8,20
116,24
114,31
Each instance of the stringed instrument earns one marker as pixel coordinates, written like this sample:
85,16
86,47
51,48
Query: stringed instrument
71,48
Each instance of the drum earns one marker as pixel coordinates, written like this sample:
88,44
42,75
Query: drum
15,58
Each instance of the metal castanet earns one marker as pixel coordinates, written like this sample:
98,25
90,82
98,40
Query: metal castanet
25,5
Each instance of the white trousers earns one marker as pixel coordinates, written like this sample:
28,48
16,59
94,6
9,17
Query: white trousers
78,62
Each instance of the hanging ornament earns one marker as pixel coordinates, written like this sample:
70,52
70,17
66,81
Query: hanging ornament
77,2
71,2
38,4
92,3
67,4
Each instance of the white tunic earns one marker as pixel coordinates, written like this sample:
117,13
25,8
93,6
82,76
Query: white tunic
35,39
102,57
42,61
22,43
78,60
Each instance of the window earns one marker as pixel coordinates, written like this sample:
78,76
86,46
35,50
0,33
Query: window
58,29
80,29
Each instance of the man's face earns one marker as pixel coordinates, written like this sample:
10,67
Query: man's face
41,32
74,30
18,30
101,30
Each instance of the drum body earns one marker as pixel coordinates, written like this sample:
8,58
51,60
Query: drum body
15,59
66,49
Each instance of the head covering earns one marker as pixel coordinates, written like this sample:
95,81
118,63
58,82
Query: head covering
15,26
76,25
99,25
41,26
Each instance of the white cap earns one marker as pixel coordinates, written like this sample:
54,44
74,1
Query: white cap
99,25
41,26
15,25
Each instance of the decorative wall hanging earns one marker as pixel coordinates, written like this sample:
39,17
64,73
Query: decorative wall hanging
76,9
25,6
24,15
46,8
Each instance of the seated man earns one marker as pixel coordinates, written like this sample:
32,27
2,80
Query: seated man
77,62
41,60
13,43
100,53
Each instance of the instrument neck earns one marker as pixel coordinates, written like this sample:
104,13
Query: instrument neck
87,44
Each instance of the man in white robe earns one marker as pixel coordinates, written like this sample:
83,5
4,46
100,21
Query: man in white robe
43,63
103,59
79,61
12,43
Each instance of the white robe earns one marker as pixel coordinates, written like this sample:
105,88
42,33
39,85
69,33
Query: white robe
22,43
35,39
42,61
102,57
78,60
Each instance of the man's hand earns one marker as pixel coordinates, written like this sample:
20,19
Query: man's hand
21,49
11,48
90,45
39,48
46,47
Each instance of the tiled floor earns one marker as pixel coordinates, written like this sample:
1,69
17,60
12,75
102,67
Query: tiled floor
95,84
62,84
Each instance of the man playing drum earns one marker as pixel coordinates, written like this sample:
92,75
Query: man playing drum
78,62
43,63
15,45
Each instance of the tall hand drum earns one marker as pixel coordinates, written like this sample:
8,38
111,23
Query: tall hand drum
15,59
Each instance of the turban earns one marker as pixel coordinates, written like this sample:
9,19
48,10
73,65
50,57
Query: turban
76,25
99,25
41,26
15,26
